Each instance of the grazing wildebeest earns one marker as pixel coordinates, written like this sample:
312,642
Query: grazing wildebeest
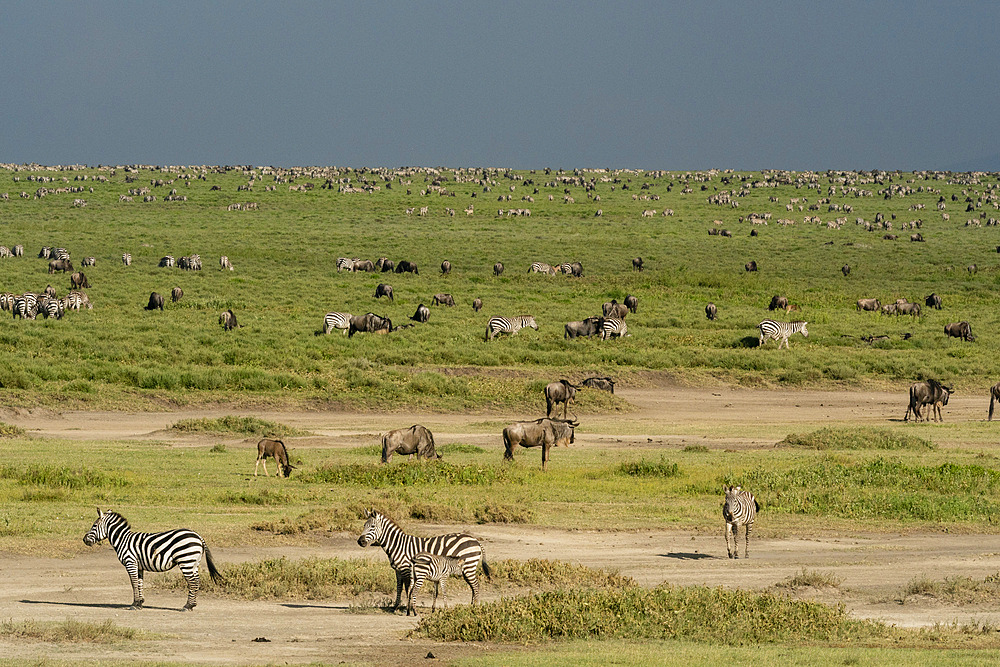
931,393
933,301
778,302
559,392
176,294
365,265
576,269
414,440
477,304
613,309
750,266
632,303
961,330
406,266
384,290
637,264
972,268
994,397
228,320
369,323
78,280
908,309
588,327
50,290
276,450
445,267
711,311
388,266
422,315
917,237
498,268
155,301
545,433
63,265
868,304
846,270
602,383
443,300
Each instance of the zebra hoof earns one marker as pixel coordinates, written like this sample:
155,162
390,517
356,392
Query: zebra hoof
135,607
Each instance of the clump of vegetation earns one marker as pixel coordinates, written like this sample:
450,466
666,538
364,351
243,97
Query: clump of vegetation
418,472
10,430
455,448
64,477
695,449
72,631
644,468
955,590
255,497
541,574
326,519
811,579
218,448
246,426
504,513
862,437
633,612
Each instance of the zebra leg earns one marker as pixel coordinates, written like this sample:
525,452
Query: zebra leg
729,530
135,577
746,545
472,579
415,586
400,577
438,588
194,584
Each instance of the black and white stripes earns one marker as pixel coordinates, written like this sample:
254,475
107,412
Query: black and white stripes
431,567
780,331
155,552
739,509
613,327
401,548
333,321
508,325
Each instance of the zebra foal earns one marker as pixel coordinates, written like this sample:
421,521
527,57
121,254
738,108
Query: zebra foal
431,567
739,509
780,331
155,552
401,548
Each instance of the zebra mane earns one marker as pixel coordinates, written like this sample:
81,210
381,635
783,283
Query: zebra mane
116,515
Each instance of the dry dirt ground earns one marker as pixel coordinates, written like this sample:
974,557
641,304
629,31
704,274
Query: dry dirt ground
873,568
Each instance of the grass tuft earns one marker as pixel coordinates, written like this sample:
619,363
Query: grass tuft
644,468
813,578
72,631
10,430
415,473
233,424
861,437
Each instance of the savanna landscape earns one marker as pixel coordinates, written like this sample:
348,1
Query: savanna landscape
876,539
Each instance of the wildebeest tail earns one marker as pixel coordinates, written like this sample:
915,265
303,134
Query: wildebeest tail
212,570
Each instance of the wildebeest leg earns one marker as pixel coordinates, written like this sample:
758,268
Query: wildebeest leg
257,467
993,398
545,455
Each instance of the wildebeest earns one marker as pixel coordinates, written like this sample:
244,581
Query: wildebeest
778,302
445,267
994,397
613,309
711,311
602,383
868,304
972,268
588,327
933,301
918,237
961,330
443,300
63,265
576,269
846,270
228,320
908,309
750,266
632,303
545,433
477,304
155,301
50,290
384,290
637,264
414,440
498,268
364,265
369,323
406,266
176,294
422,315
559,392
78,279
931,393
277,451
388,266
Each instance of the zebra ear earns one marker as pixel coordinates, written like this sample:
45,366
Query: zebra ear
99,513
368,513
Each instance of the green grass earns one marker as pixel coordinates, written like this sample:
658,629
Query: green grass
855,438
121,356
249,426
954,590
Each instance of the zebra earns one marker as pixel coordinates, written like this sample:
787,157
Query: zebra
155,552
25,306
52,308
7,301
76,300
508,325
224,263
167,261
18,250
565,268
430,567
333,321
5,251
89,261
45,252
345,263
127,258
400,548
613,327
60,253
780,331
541,267
739,509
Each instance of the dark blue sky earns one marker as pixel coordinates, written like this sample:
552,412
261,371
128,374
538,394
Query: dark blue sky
657,85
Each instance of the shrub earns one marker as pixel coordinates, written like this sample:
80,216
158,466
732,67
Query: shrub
862,437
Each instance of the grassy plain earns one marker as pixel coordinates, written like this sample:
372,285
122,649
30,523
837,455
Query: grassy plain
119,355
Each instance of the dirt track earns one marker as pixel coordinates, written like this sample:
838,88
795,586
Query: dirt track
873,568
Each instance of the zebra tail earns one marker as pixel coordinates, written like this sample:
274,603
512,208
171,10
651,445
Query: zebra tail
756,505
486,570
212,570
